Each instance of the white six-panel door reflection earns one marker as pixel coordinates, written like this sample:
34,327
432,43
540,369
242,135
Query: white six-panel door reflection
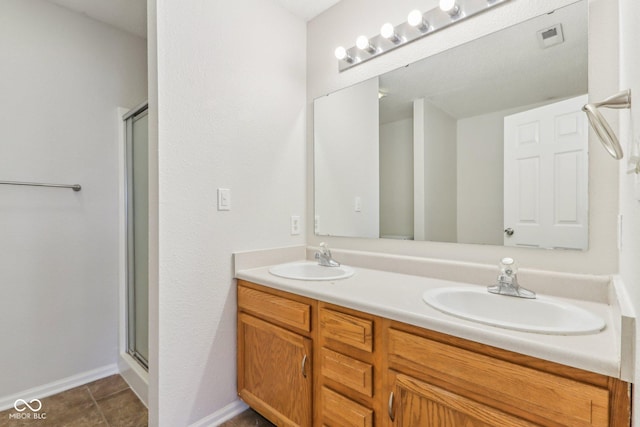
546,176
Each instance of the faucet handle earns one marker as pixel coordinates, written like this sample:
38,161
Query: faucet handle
508,266
324,248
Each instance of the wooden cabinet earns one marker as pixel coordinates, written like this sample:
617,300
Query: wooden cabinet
433,376
307,363
414,403
349,380
275,355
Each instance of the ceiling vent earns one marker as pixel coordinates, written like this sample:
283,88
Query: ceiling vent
550,36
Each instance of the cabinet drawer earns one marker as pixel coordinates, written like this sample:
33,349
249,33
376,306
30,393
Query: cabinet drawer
275,308
347,371
339,411
347,329
560,399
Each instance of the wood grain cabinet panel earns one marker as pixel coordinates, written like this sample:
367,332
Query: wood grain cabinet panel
560,399
339,411
345,370
274,371
347,329
418,404
275,308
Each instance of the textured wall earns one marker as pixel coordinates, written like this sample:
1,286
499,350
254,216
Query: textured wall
63,76
231,114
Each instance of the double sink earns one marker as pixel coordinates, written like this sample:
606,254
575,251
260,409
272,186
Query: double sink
542,315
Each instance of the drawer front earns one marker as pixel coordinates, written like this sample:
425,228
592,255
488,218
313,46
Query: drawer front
275,308
347,329
339,411
559,399
347,371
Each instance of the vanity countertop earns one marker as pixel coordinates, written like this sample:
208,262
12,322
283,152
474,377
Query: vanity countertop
398,297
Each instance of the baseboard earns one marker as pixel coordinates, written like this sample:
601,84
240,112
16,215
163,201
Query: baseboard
58,386
222,415
135,376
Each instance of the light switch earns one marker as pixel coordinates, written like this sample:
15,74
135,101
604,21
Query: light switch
357,204
224,199
316,224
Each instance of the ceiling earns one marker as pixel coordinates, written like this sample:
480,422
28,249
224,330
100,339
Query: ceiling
306,9
126,15
504,70
131,15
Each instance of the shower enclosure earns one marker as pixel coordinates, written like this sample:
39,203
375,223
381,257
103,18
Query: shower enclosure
137,233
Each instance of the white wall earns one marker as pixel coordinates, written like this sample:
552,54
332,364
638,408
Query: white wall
439,175
630,184
480,178
347,152
337,27
63,76
231,114
396,178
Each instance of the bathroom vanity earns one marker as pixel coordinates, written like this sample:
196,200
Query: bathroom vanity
365,351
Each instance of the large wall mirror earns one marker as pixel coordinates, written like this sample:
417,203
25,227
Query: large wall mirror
484,143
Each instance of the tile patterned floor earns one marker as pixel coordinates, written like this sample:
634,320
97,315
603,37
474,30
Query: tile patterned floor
248,418
108,402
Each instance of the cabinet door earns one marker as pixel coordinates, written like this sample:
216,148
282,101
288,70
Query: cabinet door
274,371
414,403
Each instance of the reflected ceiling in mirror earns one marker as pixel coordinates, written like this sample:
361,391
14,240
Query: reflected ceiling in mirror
478,144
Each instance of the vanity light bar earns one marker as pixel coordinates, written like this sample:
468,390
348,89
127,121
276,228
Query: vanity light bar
450,12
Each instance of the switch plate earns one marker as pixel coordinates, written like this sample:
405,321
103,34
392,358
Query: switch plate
316,224
224,199
295,225
357,204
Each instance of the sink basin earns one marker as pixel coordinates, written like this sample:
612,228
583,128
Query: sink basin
310,271
543,315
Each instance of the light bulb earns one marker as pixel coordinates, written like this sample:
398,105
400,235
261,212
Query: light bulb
388,32
342,55
449,6
362,42
416,19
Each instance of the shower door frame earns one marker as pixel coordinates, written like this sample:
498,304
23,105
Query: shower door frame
135,114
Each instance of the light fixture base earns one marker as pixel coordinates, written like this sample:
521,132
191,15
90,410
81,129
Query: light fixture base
406,33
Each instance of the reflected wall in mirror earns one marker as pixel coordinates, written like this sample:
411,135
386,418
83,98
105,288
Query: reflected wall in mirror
484,143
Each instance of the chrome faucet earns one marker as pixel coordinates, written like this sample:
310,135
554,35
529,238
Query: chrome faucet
324,257
508,281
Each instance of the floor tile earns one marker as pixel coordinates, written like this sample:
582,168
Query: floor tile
123,409
70,410
78,397
248,418
107,386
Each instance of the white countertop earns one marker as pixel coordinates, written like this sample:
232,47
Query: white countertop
399,297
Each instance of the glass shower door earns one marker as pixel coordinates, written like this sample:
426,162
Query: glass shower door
137,152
